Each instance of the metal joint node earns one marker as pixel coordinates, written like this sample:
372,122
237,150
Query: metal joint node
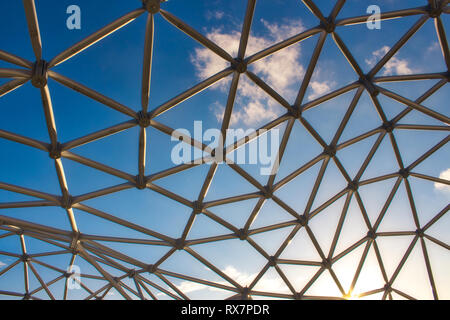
329,26
371,235
131,273
326,263
434,12
297,296
141,182
420,233
25,257
302,220
404,172
366,81
353,185
39,74
151,268
55,151
143,119
387,287
239,65
74,243
218,151
272,261
295,112
268,192
330,151
242,234
388,126
27,296
245,293
197,206
180,244
152,6
66,202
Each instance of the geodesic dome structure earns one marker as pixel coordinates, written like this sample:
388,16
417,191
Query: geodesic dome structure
336,246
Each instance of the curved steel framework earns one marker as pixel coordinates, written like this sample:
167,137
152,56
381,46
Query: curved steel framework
89,248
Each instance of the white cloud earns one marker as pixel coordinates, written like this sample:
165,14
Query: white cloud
187,287
244,279
445,175
319,88
281,71
2,264
267,283
395,65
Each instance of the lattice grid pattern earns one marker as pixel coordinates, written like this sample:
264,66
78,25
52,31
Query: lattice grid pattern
133,281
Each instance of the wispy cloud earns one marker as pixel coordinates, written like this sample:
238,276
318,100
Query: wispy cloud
319,88
280,71
434,47
2,264
215,15
395,66
445,175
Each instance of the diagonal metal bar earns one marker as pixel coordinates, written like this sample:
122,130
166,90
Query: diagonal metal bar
11,86
11,58
347,54
263,85
97,165
98,135
337,8
95,37
105,274
125,223
283,44
43,284
78,87
384,16
311,67
414,105
315,10
9,267
398,45
429,270
195,35
190,92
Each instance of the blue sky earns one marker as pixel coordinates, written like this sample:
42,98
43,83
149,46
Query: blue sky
113,67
